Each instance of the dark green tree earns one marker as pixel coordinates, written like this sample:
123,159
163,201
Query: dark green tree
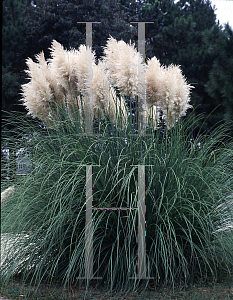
58,20
14,30
219,86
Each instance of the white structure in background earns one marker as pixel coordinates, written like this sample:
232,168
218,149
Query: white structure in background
23,162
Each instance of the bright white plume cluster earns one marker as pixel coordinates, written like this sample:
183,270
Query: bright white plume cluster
64,80
70,76
167,89
121,61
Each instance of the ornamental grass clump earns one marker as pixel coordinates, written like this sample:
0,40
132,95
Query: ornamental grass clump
188,185
188,217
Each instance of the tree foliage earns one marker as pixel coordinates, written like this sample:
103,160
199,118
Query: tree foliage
219,85
14,31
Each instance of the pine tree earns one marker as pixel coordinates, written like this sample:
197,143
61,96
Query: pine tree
14,29
219,86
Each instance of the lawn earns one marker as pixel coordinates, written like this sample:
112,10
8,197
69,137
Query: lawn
223,289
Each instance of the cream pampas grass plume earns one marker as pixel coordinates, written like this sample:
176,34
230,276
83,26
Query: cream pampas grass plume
122,62
38,94
72,77
177,95
60,81
104,96
70,68
155,78
167,89
101,86
69,79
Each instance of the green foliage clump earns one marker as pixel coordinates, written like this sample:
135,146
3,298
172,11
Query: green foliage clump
189,188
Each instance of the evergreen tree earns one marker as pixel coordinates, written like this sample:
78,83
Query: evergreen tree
58,20
219,86
14,30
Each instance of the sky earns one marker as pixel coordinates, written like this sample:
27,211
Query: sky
224,12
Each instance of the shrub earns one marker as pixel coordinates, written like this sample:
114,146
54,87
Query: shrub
189,186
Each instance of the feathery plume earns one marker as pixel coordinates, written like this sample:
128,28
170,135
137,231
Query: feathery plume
59,82
84,69
37,94
155,77
71,68
167,88
71,77
49,76
100,86
122,61
177,95
104,96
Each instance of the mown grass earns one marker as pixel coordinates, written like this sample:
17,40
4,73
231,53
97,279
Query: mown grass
213,291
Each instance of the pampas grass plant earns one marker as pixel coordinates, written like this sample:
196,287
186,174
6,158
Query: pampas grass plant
189,187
